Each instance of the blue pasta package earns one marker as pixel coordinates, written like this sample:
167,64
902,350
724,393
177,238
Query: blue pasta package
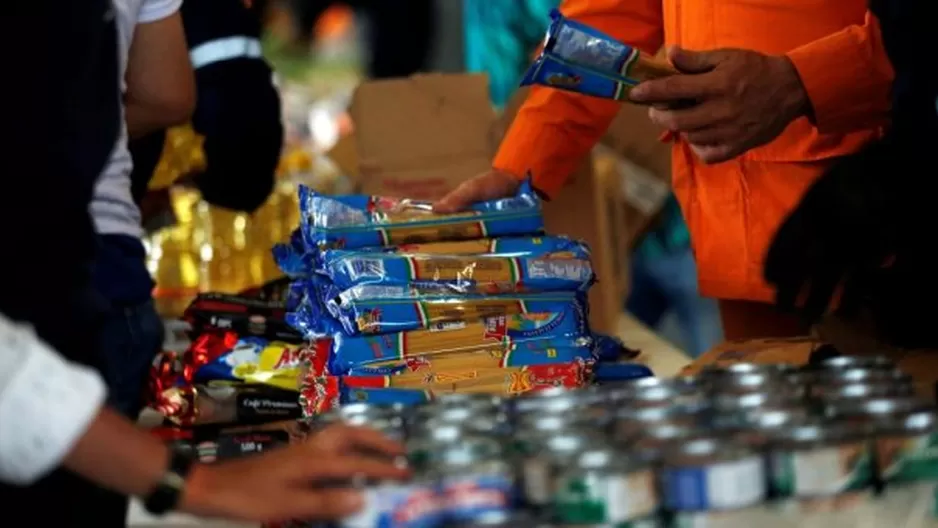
579,58
487,273
360,221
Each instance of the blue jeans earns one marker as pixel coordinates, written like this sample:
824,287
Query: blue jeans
130,337
666,282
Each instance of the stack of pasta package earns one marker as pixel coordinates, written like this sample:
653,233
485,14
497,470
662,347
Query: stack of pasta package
401,304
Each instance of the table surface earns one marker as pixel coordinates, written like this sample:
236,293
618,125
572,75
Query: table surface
663,358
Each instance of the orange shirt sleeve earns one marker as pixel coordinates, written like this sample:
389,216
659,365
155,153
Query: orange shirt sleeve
848,78
554,129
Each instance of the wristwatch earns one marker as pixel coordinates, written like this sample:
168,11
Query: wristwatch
165,496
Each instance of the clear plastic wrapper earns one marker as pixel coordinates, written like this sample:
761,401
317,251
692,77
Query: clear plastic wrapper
487,273
360,221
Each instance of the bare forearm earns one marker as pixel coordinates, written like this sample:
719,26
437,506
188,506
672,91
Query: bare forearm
114,454
142,119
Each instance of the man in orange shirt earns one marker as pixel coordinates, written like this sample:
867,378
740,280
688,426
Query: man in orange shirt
783,88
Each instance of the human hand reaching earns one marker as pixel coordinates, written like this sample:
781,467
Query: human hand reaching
295,482
489,185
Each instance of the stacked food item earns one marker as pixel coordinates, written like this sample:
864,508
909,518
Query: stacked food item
404,304
840,443
234,390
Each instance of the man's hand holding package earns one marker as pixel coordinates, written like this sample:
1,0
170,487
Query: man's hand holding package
744,99
489,185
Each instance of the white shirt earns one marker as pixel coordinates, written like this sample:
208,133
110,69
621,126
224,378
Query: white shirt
113,208
46,404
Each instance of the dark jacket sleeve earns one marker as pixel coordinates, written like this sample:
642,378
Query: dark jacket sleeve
61,116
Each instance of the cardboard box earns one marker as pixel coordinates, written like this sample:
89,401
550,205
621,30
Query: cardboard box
848,338
421,136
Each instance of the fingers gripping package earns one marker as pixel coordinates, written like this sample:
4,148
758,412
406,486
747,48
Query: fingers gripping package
359,221
578,58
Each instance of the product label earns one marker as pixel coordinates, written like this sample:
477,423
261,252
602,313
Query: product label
468,498
722,486
253,406
237,445
395,505
594,498
907,459
822,472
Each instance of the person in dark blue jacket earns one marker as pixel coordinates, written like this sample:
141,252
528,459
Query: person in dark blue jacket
863,227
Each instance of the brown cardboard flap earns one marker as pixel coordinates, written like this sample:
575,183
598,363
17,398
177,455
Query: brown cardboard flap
345,155
421,136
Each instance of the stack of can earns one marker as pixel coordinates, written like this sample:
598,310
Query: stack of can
741,445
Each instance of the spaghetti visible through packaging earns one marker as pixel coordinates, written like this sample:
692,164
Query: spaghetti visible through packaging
359,221
321,393
488,273
383,309
522,338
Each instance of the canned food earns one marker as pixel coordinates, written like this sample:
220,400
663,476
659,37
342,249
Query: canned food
713,372
630,390
603,486
482,421
862,375
414,504
665,394
462,399
532,430
758,382
742,403
467,407
755,426
867,411
851,362
654,441
712,473
631,423
423,448
826,465
907,448
532,401
864,390
540,462
476,482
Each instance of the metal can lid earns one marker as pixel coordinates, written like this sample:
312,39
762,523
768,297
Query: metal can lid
919,421
749,400
738,369
873,407
705,450
572,441
659,414
439,433
864,390
548,422
817,431
470,450
606,456
844,362
464,398
862,374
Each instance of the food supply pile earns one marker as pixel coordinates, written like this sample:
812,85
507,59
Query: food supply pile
404,304
841,443
386,302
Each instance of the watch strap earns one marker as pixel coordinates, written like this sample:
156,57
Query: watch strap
168,491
